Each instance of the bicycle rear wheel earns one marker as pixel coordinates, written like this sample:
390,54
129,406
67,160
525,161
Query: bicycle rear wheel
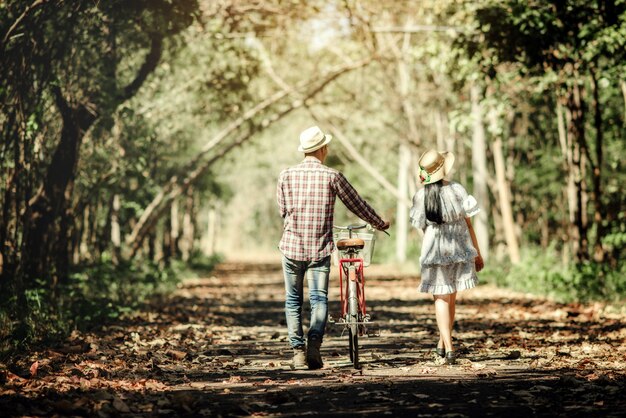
354,348
353,317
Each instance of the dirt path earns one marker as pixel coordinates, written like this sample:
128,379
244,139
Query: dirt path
218,348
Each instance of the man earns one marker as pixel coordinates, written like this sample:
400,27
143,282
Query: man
306,198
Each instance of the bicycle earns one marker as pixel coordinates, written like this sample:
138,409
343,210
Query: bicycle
354,253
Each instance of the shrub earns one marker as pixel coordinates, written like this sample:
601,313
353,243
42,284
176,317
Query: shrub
92,294
541,272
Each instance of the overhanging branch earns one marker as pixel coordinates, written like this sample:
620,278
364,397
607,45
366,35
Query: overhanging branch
148,66
196,167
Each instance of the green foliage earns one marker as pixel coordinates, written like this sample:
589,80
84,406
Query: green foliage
385,250
563,36
201,263
615,238
541,272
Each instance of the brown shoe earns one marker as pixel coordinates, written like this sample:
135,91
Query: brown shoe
313,356
299,357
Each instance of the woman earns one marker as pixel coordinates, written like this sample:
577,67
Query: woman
450,255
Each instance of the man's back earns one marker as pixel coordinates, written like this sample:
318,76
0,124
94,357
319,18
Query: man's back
306,198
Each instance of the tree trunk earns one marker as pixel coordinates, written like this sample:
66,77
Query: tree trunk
508,223
103,230
51,203
413,174
568,159
46,235
116,234
510,177
441,136
165,243
211,232
479,173
623,85
402,214
545,232
83,249
573,197
77,233
576,133
174,231
185,243
152,245
404,160
462,166
498,242
599,212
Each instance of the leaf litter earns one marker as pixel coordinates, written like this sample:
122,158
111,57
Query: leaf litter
218,346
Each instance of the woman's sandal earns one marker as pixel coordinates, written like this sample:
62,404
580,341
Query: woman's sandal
441,351
451,357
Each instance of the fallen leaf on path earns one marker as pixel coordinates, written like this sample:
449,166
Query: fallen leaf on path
158,342
176,355
12,377
234,379
33,369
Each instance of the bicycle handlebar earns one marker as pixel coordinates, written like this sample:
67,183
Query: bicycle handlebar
359,226
351,227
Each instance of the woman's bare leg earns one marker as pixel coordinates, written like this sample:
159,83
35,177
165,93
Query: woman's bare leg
452,310
440,342
442,313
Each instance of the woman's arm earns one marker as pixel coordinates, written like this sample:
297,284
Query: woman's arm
479,259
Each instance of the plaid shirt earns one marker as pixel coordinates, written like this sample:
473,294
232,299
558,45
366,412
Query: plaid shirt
306,199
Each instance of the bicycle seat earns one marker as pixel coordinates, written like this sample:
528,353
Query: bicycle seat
344,244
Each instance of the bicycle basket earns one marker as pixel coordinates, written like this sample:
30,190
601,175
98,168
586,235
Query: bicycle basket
366,253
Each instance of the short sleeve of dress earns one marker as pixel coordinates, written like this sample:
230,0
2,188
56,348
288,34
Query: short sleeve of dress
467,201
417,214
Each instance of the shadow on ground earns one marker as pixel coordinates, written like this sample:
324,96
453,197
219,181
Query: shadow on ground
218,348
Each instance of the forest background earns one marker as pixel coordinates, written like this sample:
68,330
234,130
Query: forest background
143,138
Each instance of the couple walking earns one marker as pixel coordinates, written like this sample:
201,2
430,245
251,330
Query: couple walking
306,195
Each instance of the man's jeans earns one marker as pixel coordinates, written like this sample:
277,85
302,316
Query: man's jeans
317,273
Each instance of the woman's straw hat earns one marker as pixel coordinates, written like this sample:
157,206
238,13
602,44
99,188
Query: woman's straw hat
312,139
434,165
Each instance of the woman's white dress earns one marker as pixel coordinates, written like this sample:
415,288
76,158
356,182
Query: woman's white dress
447,258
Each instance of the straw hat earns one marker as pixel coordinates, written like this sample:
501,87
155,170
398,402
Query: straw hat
434,165
312,139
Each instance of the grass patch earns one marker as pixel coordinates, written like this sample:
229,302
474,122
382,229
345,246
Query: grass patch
542,272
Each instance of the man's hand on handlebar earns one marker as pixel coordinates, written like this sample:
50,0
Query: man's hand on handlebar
385,226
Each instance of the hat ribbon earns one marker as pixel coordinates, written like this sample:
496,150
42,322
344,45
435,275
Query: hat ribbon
433,169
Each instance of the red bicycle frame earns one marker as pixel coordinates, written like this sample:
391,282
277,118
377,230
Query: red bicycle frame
360,288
